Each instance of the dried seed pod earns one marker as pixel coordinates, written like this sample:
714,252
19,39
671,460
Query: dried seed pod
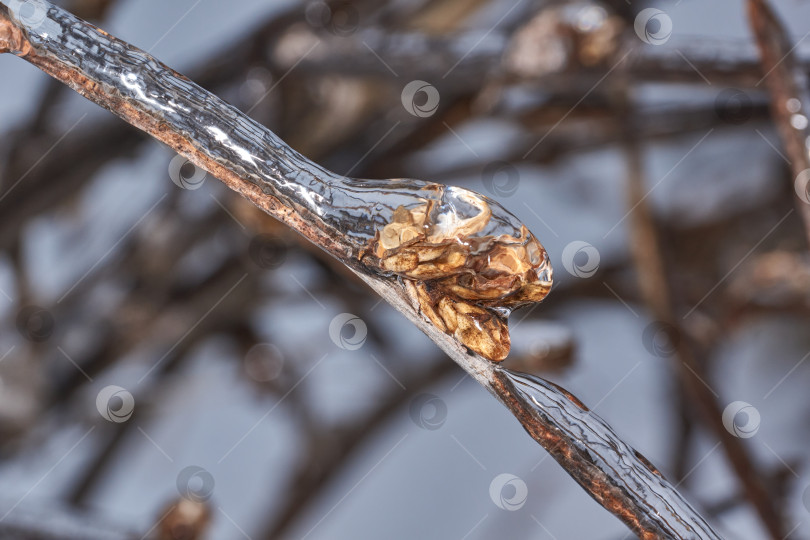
401,262
464,246
466,263
421,297
479,329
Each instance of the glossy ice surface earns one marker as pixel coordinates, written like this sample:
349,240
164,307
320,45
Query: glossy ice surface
467,260
464,259
668,512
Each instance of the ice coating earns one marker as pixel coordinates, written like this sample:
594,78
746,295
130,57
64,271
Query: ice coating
464,261
372,221
668,514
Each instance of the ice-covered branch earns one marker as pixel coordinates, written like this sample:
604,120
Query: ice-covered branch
410,241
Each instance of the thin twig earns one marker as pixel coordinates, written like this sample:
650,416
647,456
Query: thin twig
57,523
655,285
790,101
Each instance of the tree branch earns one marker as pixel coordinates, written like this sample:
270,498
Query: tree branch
787,83
337,214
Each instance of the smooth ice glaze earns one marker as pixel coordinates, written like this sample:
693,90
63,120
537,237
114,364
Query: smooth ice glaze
634,478
464,260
